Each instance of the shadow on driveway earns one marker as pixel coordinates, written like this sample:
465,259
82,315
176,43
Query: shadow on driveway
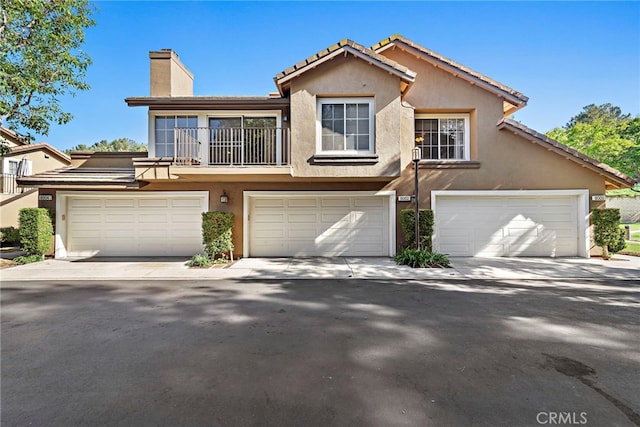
316,352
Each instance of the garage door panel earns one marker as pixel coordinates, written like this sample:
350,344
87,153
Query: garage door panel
302,218
360,202
342,202
302,203
319,226
153,203
187,203
307,234
507,226
85,203
119,203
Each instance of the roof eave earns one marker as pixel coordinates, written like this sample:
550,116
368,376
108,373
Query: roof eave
205,102
611,175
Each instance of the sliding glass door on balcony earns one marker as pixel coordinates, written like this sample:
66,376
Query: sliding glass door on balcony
244,141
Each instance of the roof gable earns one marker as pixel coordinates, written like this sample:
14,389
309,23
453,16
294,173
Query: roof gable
512,99
40,146
344,47
611,175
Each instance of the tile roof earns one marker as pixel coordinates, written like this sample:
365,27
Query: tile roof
451,66
538,138
74,176
349,46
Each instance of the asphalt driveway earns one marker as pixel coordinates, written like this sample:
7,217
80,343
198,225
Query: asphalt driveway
320,352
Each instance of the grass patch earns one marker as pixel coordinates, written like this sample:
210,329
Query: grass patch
632,248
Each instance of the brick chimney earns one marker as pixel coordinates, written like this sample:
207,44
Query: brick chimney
169,76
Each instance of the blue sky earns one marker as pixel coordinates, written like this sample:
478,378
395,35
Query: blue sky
562,55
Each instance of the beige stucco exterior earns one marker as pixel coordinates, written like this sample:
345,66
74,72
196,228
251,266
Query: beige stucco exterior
169,76
42,159
348,77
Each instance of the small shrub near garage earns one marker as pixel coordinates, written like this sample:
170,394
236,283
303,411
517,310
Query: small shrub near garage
415,258
217,234
607,232
36,231
425,227
199,261
9,235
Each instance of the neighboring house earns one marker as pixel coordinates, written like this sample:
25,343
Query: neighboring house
629,207
319,168
39,157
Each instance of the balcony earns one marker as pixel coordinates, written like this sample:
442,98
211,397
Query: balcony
232,147
9,185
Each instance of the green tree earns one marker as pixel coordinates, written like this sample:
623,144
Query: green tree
120,144
592,112
41,60
605,134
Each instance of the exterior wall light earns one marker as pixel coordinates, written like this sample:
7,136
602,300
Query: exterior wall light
224,198
416,155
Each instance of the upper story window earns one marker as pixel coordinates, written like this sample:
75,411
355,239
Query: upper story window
164,132
443,136
13,167
345,125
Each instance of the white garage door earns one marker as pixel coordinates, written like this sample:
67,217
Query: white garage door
319,226
135,225
507,226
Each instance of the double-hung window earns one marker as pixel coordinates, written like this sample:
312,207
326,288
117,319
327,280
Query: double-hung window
165,134
443,136
345,125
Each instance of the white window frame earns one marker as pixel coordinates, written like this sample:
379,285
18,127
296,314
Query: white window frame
348,100
152,125
467,136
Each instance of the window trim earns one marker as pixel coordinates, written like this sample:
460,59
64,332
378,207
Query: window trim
320,101
467,136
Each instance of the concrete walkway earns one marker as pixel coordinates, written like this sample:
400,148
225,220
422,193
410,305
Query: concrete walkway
620,267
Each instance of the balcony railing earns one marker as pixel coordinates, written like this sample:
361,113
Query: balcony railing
9,185
232,147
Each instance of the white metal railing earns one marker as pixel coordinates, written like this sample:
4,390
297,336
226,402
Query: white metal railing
10,186
232,146
187,148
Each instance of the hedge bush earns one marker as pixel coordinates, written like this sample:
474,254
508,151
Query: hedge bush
9,235
217,233
36,231
407,223
607,232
